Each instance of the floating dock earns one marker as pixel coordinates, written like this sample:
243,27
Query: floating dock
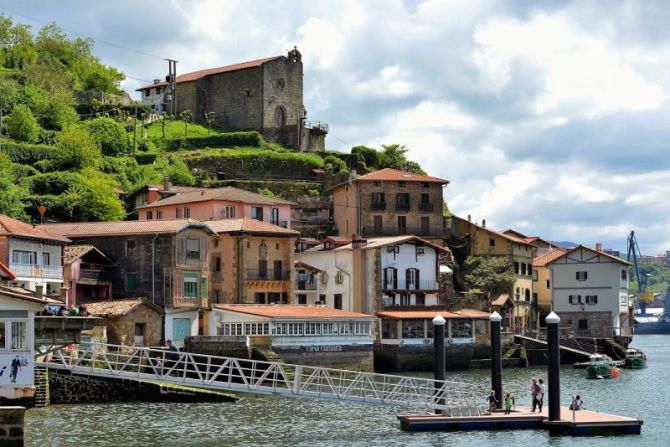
585,423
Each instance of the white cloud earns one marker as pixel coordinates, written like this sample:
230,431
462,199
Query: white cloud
321,43
391,81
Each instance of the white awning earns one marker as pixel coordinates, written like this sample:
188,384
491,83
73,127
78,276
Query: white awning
445,269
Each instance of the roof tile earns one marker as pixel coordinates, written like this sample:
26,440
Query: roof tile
248,225
290,311
116,308
390,174
229,193
121,228
13,227
422,314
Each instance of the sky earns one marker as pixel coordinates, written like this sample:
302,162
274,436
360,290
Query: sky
549,117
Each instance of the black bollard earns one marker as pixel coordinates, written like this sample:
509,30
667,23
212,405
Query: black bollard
439,357
554,366
496,357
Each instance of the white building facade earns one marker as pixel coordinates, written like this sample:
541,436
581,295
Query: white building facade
590,292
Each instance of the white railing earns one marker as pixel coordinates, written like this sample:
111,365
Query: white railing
240,375
36,271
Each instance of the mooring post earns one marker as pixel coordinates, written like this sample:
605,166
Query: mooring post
554,366
496,357
439,357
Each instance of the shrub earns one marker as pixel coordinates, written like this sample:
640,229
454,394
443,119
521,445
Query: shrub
232,139
22,125
145,159
337,164
78,150
179,173
109,134
26,153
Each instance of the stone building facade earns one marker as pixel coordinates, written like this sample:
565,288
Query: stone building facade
265,95
130,322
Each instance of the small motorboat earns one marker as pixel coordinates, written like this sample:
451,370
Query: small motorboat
601,367
635,359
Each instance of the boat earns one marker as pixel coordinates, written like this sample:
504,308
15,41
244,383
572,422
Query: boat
635,359
601,367
652,325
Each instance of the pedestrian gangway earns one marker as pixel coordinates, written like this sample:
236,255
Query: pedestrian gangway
259,377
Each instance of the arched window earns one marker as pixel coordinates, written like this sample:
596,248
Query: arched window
280,116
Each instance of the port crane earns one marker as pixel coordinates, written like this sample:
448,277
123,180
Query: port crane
642,274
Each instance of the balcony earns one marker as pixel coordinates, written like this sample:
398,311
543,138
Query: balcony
317,126
305,285
402,206
426,207
371,230
422,284
268,275
378,206
37,271
95,275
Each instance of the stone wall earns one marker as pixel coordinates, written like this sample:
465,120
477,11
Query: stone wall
223,346
121,331
11,426
420,357
599,324
356,357
236,97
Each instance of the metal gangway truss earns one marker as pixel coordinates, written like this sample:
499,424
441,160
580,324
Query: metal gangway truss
260,377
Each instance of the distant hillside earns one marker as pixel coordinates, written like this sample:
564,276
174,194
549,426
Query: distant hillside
565,244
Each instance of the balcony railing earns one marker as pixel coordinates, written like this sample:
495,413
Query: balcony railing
317,125
371,230
268,275
378,206
36,271
305,285
95,275
426,207
401,284
402,206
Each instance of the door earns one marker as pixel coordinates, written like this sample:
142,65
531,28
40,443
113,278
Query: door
139,334
425,226
262,269
402,225
278,276
181,328
378,225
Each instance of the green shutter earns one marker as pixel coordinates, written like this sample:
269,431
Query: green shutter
131,280
191,275
203,287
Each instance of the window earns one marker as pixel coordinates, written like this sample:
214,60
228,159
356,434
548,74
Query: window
322,298
46,259
402,184
190,285
3,344
527,295
259,298
548,285
203,288
481,327
257,212
131,282
378,201
280,116
278,272
461,329
150,215
24,257
187,213
159,215
390,278
217,264
338,301
425,184
404,299
19,338
376,183
583,324
516,267
624,275
575,299
274,216
412,328
402,201
378,224
412,279
274,297
389,329
147,92
230,212
217,296
302,298
130,248
581,276
591,299
402,224
177,213
523,268
192,248
420,299
530,269
492,242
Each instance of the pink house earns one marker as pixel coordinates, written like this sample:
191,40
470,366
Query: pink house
219,203
86,274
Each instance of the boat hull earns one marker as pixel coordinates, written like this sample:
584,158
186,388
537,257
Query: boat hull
651,328
598,372
634,363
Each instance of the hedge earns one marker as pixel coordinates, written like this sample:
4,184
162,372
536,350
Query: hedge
27,153
145,159
231,139
52,183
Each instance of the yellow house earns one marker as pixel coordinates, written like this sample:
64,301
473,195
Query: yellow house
542,279
483,241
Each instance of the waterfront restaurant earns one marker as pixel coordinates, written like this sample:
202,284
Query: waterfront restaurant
306,335
407,337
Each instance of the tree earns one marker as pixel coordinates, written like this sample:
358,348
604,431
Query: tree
78,150
179,173
54,110
22,125
186,116
98,200
395,155
13,195
209,117
109,134
489,273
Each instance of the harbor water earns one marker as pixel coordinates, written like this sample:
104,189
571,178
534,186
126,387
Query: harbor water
266,420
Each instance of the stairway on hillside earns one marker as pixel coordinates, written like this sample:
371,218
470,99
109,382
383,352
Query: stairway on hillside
41,387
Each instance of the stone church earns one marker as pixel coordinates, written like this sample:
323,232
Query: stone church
265,95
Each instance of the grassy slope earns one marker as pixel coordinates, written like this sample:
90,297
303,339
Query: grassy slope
173,130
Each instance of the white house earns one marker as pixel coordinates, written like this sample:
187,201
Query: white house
590,292
377,273
34,256
154,95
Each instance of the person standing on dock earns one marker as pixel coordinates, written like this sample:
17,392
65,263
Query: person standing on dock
509,401
534,391
540,395
493,402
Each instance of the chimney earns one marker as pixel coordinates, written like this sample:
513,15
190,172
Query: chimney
39,291
469,218
599,247
357,242
484,223
157,81
166,183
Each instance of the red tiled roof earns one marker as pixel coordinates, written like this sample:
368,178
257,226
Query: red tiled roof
423,314
307,266
495,232
548,258
229,193
73,252
390,174
502,299
121,228
118,308
614,258
376,242
195,75
13,227
289,311
7,273
248,225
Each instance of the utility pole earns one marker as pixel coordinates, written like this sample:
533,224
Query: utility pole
171,91
134,131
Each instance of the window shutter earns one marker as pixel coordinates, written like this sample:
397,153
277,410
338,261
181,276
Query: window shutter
386,277
408,278
570,299
395,278
417,284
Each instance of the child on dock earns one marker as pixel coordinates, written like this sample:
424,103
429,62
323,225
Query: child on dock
509,401
493,402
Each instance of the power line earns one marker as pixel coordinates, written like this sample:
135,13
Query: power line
106,42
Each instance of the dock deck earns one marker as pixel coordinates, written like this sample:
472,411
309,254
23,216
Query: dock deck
585,422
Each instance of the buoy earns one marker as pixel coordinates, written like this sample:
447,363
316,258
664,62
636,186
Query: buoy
615,372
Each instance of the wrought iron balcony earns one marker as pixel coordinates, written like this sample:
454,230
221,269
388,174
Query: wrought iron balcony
378,206
426,207
268,275
305,285
401,284
402,206
371,230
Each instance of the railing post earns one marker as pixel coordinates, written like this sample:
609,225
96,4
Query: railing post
297,379
496,357
439,358
554,366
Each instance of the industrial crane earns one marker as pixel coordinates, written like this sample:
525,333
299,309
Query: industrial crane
641,274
